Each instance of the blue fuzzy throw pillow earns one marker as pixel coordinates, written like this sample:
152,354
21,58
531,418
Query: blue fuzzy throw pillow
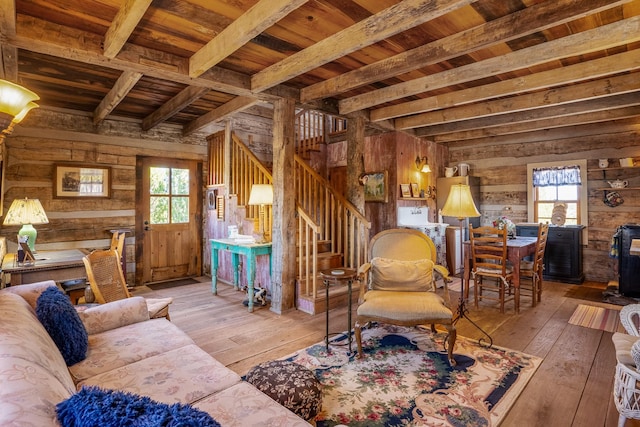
60,319
95,407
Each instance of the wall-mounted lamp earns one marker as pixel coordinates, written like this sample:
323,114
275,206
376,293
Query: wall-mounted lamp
15,103
421,164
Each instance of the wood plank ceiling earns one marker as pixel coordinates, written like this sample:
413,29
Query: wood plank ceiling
446,70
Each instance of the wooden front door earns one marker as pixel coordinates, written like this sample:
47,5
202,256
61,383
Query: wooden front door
168,219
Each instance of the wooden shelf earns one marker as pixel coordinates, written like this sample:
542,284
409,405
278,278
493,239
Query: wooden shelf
413,198
617,189
616,168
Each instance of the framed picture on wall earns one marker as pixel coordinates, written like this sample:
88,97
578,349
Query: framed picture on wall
376,188
76,180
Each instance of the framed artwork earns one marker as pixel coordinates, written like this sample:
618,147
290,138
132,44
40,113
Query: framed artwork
414,190
212,198
405,190
77,181
376,188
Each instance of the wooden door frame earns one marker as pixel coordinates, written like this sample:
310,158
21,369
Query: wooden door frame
139,216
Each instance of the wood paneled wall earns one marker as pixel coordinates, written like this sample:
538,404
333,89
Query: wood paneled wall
501,164
47,138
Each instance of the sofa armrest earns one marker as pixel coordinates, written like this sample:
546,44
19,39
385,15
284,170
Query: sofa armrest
114,315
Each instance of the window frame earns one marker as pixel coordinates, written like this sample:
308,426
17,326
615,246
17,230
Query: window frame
583,193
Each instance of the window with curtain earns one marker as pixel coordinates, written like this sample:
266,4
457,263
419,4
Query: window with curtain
557,184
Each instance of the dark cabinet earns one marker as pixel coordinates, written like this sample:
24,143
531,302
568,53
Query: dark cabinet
563,256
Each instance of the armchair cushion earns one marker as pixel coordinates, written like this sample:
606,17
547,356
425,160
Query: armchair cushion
94,407
404,306
397,275
60,319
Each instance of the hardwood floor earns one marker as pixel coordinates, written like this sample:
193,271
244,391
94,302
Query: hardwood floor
572,387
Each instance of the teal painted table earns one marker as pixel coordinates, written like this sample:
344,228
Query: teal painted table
249,250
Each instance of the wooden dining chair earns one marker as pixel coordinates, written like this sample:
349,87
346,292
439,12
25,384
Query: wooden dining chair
531,271
489,268
108,284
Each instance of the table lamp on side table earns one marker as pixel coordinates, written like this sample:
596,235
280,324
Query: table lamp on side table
460,205
26,212
262,194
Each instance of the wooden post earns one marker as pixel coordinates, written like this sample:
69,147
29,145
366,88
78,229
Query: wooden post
283,257
355,161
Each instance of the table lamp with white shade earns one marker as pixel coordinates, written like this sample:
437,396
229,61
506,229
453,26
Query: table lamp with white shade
26,212
262,195
460,205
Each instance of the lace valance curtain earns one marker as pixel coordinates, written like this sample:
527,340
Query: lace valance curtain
564,175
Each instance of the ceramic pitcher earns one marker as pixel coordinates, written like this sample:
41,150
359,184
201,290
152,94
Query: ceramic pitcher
463,168
449,172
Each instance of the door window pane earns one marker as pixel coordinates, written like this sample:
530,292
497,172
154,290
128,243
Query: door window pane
169,198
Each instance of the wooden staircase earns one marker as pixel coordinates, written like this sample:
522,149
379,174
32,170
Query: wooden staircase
331,232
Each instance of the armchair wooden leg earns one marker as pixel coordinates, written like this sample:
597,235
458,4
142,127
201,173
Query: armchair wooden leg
358,333
452,342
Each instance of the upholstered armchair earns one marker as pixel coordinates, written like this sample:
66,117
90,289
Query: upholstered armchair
399,287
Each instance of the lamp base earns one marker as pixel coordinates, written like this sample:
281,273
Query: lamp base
31,234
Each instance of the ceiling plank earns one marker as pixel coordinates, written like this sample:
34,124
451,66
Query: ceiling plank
597,68
393,20
123,86
604,37
123,25
250,24
603,116
173,106
236,105
555,96
524,22
554,112
7,18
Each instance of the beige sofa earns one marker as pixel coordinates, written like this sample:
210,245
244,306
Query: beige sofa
127,352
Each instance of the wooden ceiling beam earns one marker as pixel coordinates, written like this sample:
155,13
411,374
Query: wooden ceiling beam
8,63
174,106
64,42
250,24
126,20
118,92
604,116
524,22
547,113
7,18
393,20
607,36
236,105
554,96
597,68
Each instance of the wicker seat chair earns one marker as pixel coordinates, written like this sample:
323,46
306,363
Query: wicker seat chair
398,285
108,284
531,271
489,267
626,385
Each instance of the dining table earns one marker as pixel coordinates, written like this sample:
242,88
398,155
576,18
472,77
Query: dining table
517,249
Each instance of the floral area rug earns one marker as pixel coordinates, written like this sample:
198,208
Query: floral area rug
405,379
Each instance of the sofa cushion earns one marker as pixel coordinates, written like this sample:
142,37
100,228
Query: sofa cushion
115,348
23,336
95,407
244,405
396,275
115,314
184,375
60,319
31,292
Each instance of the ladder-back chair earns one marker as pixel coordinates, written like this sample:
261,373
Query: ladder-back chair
531,272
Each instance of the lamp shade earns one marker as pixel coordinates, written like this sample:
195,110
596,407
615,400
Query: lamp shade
425,168
460,204
261,194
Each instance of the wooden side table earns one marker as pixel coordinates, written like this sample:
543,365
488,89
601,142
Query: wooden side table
338,276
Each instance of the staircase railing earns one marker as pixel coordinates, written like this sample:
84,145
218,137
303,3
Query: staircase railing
335,219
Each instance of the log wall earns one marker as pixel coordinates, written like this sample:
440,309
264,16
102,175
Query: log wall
501,164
